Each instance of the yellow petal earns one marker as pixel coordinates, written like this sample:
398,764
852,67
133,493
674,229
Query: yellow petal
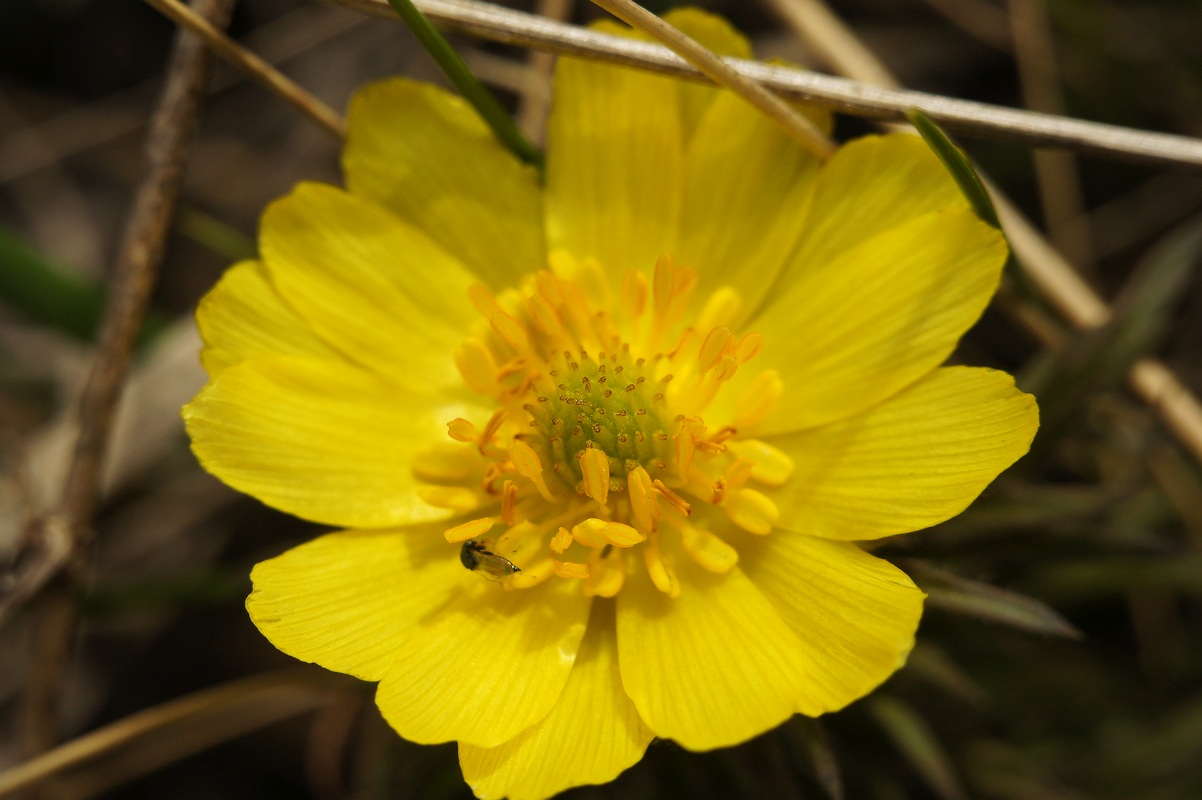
712,667
915,460
869,186
716,34
591,735
346,599
319,439
614,158
243,316
487,666
746,181
848,334
854,614
373,287
424,154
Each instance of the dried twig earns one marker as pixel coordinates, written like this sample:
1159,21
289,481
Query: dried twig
254,66
721,73
215,715
1057,175
846,96
536,96
137,262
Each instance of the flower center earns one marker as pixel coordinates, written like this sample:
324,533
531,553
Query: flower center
597,447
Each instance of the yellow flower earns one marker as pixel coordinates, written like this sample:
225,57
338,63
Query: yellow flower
604,445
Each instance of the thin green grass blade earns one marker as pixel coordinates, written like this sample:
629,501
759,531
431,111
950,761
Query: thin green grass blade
961,171
959,595
461,77
917,743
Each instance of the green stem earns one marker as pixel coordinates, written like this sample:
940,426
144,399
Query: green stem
456,70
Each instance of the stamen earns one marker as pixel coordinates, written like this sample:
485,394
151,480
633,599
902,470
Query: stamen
707,549
720,309
508,329
477,367
595,532
594,468
634,293
544,316
490,430
738,472
456,498
606,575
571,569
715,345
532,574
749,346
719,491
752,511
461,430
548,286
561,541
484,300
527,464
472,529
662,575
509,499
671,498
644,503
772,466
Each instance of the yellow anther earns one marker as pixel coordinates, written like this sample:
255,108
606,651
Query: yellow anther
509,500
571,569
772,466
662,281
714,347
461,430
686,446
476,366
561,541
662,574
527,464
532,574
588,533
644,502
445,462
738,472
634,293
490,430
594,468
606,575
683,283
548,286
759,398
596,532
721,308
544,316
708,550
510,330
718,489
456,498
671,498
726,367
749,346
752,511
469,530
484,300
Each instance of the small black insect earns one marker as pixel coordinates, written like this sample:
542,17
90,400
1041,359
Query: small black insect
476,557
